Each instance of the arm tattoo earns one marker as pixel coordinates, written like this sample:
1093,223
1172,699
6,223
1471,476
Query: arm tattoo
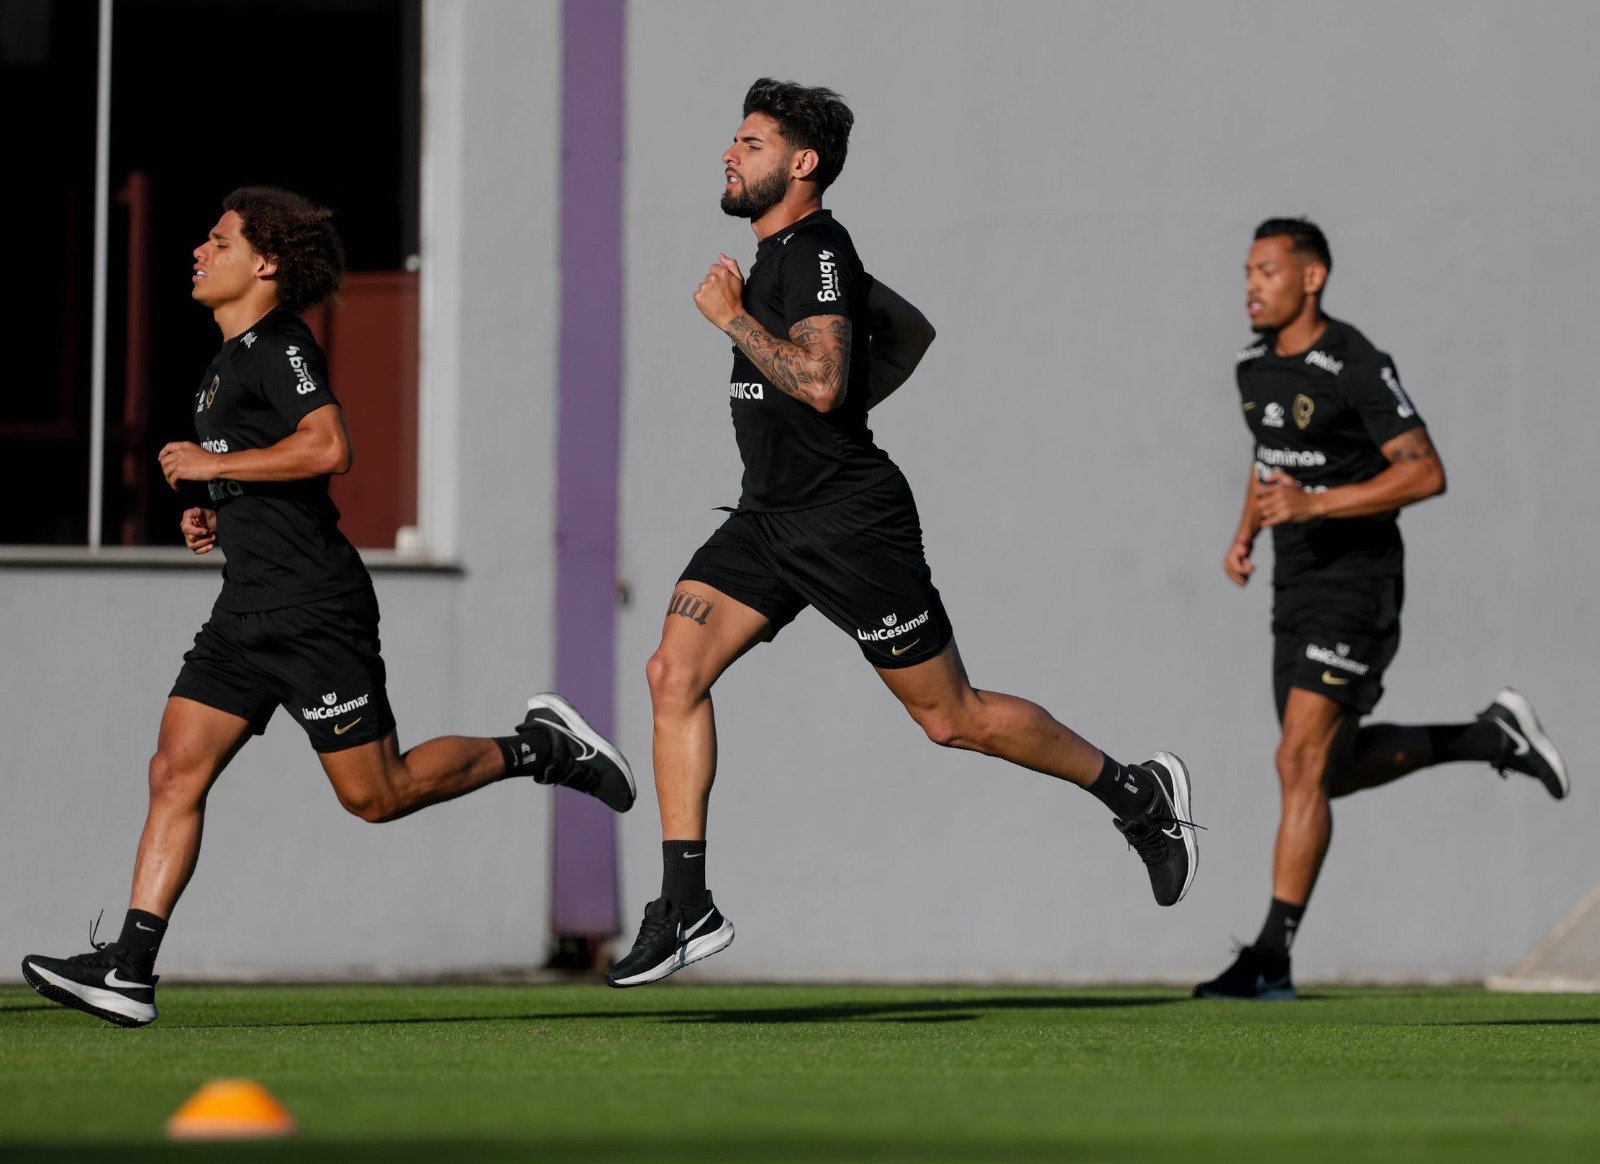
1411,446
813,363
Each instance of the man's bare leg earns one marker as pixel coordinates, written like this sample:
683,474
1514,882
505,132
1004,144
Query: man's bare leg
1316,740
954,714
1151,802
705,631
116,980
193,747
702,636
377,782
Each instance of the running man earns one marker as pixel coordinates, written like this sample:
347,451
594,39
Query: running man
1340,449
296,623
827,520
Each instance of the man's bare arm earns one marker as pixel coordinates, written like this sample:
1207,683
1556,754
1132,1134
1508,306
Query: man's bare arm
1236,562
901,336
319,446
1415,473
812,365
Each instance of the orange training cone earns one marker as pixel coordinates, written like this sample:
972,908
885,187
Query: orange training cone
230,1109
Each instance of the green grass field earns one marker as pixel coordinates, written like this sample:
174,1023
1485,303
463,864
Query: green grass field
685,1072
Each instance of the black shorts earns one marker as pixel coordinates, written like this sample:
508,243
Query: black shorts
858,560
319,660
1336,638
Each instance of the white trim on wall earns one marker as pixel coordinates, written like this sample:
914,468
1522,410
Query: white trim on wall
439,294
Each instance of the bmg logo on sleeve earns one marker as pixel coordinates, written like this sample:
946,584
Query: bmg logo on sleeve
830,279
306,385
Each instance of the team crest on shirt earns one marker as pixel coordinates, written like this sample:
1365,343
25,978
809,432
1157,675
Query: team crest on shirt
1273,416
1304,406
203,401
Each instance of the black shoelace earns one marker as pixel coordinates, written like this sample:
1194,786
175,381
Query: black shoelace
105,953
1151,842
657,922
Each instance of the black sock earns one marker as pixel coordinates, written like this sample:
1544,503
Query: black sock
1480,740
683,874
1125,791
529,753
1283,921
141,934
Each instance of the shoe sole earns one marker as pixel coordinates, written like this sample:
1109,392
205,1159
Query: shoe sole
1528,723
1285,994
104,1004
550,701
696,949
1182,801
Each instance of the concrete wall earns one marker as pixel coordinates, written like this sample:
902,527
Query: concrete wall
1067,190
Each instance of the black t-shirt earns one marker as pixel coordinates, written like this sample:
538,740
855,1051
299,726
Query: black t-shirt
281,538
1322,416
794,456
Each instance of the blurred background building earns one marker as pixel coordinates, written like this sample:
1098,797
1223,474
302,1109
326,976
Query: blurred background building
527,191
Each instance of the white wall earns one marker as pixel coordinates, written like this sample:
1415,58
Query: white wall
1068,190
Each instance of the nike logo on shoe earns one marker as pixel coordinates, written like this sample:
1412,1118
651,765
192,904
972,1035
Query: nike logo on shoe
589,750
694,929
118,984
1173,831
1517,738
1262,985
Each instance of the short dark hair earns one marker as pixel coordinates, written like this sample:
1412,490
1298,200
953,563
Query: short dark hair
1305,237
809,119
297,234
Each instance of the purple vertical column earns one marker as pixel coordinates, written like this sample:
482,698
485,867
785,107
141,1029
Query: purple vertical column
584,873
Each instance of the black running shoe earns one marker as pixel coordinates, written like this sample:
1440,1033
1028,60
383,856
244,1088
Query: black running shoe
1255,974
1164,835
669,940
1526,748
583,759
102,983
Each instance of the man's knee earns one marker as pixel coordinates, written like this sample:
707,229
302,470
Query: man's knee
370,805
675,683
1302,765
950,727
171,778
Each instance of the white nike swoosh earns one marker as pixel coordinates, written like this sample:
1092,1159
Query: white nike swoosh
692,930
692,856
1516,737
116,983
590,751
138,925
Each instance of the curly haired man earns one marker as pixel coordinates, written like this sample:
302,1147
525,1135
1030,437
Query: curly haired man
296,623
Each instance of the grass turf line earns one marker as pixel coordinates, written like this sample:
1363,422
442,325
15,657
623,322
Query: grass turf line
810,1073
